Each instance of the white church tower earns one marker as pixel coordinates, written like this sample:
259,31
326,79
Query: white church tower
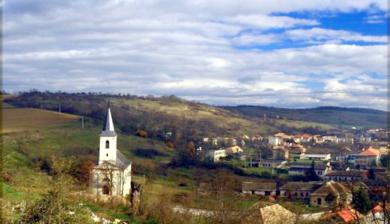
112,175
108,141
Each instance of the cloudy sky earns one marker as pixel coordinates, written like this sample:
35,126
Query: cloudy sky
287,53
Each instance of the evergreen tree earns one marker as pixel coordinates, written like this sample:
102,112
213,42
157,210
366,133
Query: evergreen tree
361,201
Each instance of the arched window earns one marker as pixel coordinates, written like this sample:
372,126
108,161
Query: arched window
107,144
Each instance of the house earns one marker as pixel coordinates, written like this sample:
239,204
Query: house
295,151
233,150
330,138
368,157
274,141
331,194
280,153
301,168
303,138
346,176
112,175
270,163
259,188
216,155
316,157
299,189
377,215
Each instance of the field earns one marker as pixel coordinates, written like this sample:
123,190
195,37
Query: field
21,119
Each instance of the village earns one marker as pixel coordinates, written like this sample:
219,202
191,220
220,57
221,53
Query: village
323,171
284,167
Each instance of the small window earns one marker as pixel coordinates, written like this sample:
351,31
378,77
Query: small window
107,144
107,154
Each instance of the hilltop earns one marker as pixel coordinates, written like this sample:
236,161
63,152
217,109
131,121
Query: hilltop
338,116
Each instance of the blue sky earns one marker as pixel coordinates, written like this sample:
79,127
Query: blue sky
286,53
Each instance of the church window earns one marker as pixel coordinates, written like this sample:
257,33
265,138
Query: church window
107,144
106,189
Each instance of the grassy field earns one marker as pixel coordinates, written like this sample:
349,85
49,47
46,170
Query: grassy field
22,119
199,112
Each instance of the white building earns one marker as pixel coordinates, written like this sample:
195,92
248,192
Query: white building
317,157
274,141
112,175
216,155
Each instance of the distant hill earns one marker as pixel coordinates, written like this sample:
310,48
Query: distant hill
160,116
340,116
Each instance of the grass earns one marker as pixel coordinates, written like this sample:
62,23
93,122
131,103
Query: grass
223,119
22,119
10,193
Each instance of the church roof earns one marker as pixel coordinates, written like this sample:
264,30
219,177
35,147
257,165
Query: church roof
109,130
121,160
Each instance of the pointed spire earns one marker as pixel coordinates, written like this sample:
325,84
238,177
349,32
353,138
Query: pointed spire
109,128
109,123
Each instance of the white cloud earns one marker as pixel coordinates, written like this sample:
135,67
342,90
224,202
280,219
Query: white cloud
197,49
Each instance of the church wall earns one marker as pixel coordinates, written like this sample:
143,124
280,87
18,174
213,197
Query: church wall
127,181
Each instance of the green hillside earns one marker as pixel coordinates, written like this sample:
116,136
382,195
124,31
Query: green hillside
338,116
160,115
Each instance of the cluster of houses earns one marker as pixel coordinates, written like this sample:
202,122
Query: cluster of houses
322,194
268,212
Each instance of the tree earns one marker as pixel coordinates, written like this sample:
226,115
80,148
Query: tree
311,174
56,205
361,201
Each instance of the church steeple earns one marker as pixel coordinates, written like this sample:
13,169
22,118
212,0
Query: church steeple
108,141
109,123
109,128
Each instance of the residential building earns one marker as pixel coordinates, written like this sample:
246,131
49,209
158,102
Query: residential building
301,168
233,150
366,158
316,157
275,141
259,188
299,189
346,176
331,194
216,155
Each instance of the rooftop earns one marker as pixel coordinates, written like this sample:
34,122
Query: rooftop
333,188
370,152
351,173
300,185
252,186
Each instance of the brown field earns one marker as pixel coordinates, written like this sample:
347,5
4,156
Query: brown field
22,119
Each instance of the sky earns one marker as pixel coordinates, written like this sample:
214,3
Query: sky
286,53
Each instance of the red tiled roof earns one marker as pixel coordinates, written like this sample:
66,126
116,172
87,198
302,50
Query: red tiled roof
348,215
370,152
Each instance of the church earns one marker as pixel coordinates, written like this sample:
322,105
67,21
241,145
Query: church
112,175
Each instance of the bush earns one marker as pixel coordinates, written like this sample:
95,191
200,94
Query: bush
148,153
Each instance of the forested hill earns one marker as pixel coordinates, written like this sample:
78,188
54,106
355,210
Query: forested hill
161,115
358,117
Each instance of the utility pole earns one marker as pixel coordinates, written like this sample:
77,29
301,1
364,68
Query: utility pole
82,122
59,108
